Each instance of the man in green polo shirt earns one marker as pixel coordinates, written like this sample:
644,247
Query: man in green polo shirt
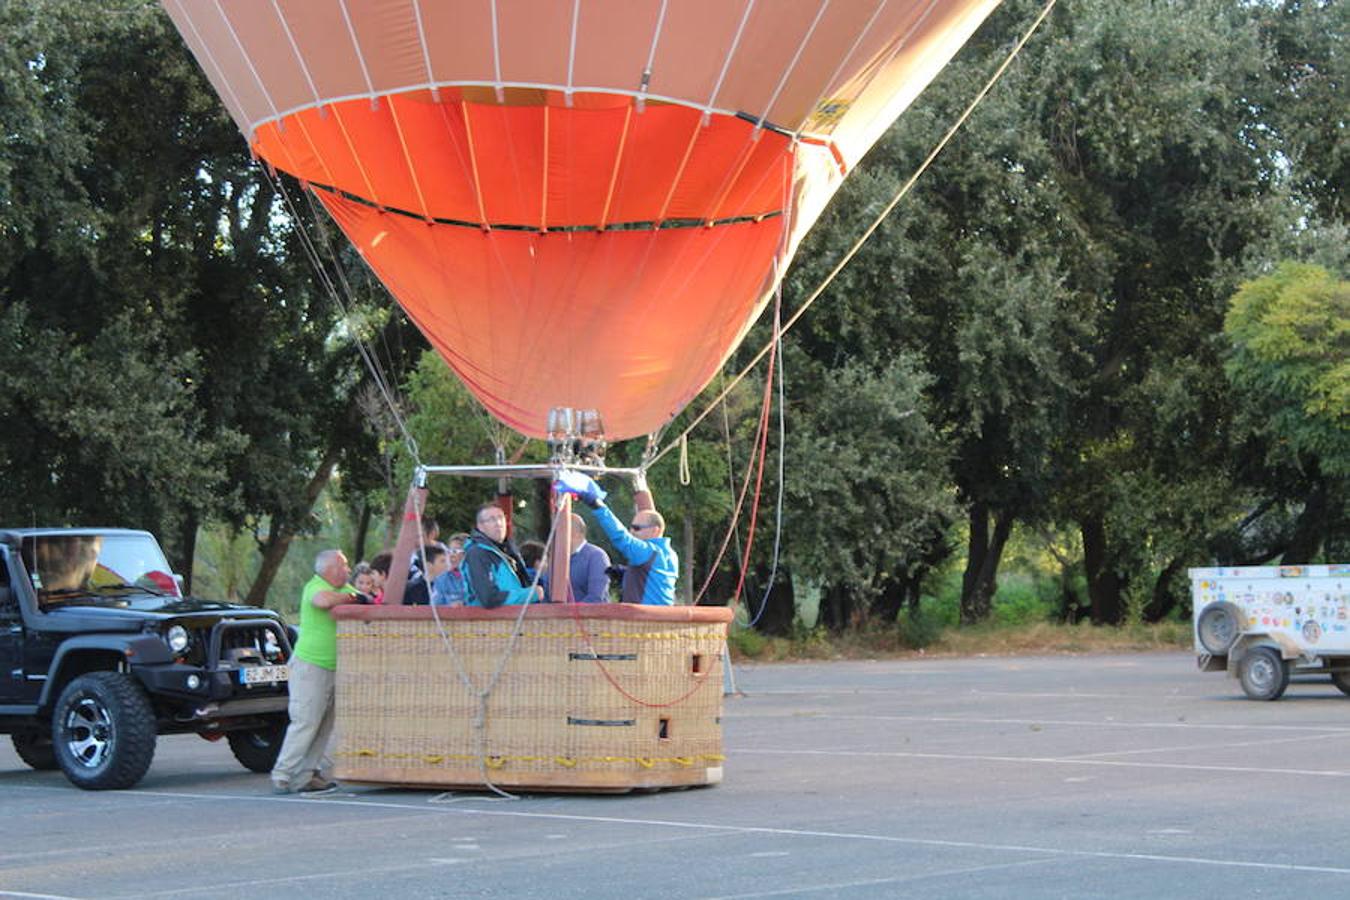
303,764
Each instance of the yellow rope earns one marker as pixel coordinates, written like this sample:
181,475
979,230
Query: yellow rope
569,762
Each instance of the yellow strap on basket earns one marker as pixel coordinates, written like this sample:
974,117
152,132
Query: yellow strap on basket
645,762
494,762
685,761
566,762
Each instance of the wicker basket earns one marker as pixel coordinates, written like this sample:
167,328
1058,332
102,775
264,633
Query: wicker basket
583,698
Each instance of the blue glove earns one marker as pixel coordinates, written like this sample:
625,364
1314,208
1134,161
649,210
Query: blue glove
582,486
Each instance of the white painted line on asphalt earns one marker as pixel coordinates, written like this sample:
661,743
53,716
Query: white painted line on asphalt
1068,723
4,893
785,832
217,888
875,882
1048,760
1190,747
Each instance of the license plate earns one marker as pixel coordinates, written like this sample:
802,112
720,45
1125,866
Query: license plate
264,674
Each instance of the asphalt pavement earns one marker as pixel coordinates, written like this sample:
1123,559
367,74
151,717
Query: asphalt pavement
1070,776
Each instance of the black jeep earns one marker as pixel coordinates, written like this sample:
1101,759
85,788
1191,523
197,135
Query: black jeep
100,653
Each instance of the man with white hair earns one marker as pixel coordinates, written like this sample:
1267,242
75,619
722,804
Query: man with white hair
303,765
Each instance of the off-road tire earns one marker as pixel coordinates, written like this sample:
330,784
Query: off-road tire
257,748
1264,673
35,748
103,731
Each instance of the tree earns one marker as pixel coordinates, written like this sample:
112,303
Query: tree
137,221
1290,365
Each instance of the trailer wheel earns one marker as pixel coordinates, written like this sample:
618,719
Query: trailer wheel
1264,673
1342,681
1218,627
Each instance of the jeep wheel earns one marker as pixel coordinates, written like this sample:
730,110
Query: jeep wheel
103,730
257,748
35,748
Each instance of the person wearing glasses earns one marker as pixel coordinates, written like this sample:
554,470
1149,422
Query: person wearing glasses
653,565
496,571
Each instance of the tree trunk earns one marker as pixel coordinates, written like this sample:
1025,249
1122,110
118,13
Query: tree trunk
780,605
1164,600
836,607
976,548
980,582
187,549
281,531
886,609
1310,528
687,562
543,505
1104,585
1070,605
362,531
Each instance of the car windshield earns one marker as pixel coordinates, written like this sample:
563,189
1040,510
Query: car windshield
70,565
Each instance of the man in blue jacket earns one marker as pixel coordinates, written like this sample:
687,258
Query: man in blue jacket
496,573
653,565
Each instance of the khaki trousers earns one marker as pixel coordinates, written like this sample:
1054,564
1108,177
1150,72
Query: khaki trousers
304,753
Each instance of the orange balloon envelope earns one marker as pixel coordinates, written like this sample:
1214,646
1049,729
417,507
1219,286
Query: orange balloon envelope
581,204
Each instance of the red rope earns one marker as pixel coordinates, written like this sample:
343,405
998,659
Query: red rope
761,437
609,676
756,465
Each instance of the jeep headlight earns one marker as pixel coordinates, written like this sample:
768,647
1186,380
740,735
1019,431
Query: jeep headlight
178,638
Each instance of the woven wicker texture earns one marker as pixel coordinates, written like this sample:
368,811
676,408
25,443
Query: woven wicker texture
587,703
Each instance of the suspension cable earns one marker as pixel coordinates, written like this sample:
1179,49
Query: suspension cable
782,455
327,280
876,223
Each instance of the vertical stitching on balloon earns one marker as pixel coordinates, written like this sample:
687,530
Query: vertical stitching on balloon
220,72
356,158
407,158
796,57
726,63
572,50
249,62
829,83
356,44
618,160
295,48
426,50
473,164
645,82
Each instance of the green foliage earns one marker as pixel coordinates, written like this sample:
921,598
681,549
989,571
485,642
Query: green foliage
746,642
863,502
921,627
1024,600
103,430
1290,361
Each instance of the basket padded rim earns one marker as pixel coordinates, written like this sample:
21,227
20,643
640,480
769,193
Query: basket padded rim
622,611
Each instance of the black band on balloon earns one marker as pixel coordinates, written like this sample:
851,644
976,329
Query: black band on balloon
510,226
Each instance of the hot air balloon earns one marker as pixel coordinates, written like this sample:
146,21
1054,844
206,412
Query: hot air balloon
583,205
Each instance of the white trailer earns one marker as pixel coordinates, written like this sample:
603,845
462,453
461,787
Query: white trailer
1260,622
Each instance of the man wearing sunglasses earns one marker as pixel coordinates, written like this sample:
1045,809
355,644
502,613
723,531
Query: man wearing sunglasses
653,565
